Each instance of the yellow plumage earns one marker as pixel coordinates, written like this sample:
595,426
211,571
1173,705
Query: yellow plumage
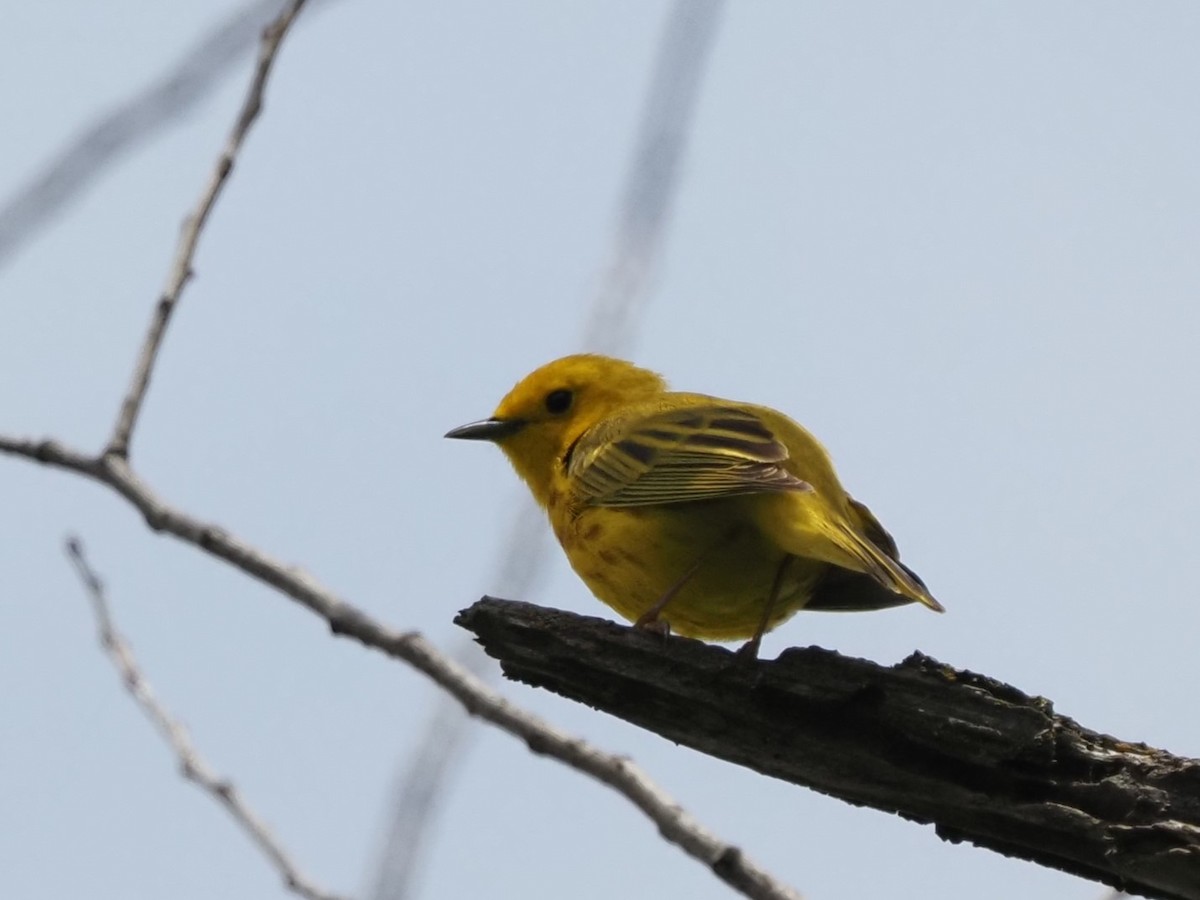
715,518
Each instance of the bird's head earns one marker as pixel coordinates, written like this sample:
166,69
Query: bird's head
546,412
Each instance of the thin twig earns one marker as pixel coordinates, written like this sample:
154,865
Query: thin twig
122,128
191,764
181,266
673,822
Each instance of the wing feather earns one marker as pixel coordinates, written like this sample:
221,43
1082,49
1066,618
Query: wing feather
679,456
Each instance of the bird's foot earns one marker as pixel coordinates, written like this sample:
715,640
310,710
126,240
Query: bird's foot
652,623
749,650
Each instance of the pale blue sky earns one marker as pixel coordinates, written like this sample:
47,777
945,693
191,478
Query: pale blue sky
958,241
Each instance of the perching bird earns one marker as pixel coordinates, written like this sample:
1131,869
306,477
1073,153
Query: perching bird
706,517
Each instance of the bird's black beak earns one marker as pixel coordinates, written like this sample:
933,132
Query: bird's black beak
486,430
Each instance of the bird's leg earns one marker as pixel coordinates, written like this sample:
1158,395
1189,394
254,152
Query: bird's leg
749,649
649,620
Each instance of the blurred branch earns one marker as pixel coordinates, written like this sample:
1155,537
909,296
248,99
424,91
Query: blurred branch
181,265
654,172
193,766
420,782
420,791
982,761
121,130
651,185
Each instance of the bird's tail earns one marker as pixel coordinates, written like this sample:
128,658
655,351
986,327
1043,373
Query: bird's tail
806,526
887,571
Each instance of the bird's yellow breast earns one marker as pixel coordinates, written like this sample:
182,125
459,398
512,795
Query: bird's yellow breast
630,557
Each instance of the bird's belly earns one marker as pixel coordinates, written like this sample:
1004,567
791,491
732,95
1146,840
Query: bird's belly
631,557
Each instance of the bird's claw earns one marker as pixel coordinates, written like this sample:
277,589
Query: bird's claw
654,625
749,650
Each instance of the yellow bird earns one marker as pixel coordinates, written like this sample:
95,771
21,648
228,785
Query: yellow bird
687,513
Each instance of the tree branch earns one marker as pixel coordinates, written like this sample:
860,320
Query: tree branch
979,759
191,764
181,266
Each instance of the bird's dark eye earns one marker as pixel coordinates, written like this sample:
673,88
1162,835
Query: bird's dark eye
558,402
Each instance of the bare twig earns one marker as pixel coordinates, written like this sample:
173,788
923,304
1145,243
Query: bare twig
123,128
727,861
181,265
191,764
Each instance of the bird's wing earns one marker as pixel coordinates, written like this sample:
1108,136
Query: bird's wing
873,530
679,455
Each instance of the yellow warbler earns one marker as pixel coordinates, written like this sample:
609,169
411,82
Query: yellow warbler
707,517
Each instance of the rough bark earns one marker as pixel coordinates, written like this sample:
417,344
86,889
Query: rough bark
979,759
